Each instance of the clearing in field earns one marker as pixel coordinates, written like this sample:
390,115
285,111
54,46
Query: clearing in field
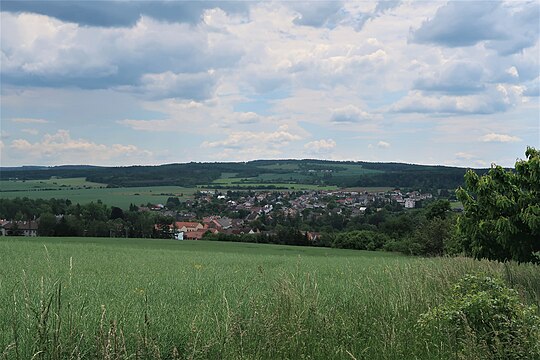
148,299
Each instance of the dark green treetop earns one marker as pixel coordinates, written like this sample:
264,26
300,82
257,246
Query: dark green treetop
501,219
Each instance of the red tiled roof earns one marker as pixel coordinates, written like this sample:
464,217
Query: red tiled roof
195,235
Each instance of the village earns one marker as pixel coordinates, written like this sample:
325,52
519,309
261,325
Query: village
238,213
248,212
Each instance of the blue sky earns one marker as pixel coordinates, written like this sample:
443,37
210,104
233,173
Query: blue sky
136,82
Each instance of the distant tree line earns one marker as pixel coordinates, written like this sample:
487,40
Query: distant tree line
192,174
59,217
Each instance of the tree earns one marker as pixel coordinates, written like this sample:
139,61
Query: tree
501,219
172,202
116,213
47,223
438,209
430,239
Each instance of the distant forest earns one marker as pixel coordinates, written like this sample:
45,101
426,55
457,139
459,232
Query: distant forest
317,172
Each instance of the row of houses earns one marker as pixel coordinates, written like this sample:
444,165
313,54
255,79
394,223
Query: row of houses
18,228
192,230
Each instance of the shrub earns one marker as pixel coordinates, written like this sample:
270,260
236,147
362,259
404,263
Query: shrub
360,240
484,316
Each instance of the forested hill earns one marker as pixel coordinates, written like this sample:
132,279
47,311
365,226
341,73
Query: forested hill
341,174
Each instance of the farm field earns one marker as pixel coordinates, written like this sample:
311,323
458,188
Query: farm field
349,169
292,175
78,190
50,184
120,197
102,298
255,183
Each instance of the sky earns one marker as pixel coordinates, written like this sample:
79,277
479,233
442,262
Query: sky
135,82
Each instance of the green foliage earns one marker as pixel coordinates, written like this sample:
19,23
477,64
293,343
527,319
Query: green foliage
116,213
172,202
47,223
360,240
482,310
501,219
438,209
312,172
430,238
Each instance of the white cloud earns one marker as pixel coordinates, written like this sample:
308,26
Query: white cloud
505,27
464,156
30,131
316,14
197,86
245,139
512,71
350,114
29,121
246,118
453,77
250,145
320,146
147,125
383,144
498,98
62,148
492,137
39,49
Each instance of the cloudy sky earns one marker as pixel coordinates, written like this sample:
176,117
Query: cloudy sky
125,82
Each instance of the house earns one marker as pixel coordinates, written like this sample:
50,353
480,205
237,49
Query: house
188,226
311,235
195,235
20,228
222,223
409,203
2,228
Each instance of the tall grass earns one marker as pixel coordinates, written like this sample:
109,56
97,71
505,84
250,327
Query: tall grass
147,299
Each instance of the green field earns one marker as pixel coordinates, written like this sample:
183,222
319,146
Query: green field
292,175
350,169
281,166
254,183
286,181
50,184
85,298
80,191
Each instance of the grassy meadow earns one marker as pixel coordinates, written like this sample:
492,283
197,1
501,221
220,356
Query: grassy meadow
291,176
49,184
254,183
78,190
85,298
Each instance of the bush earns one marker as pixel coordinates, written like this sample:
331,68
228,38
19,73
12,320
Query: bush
484,316
431,238
360,240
